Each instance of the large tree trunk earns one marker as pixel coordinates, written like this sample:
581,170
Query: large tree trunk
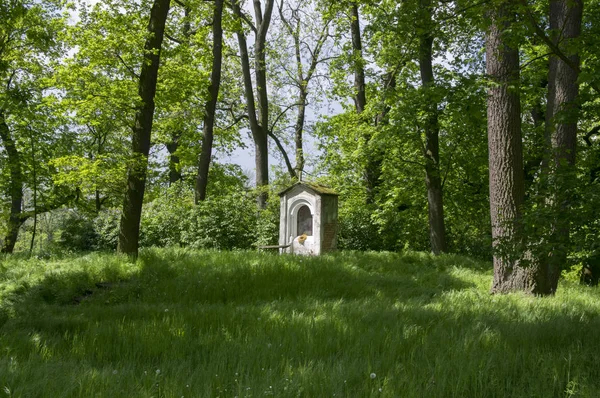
136,177
211,104
505,154
433,180
262,150
15,187
561,118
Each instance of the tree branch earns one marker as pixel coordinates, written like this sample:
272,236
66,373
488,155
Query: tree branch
462,10
554,47
283,153
236,120
281,115
49,206
168,36
129,69
591,133
526,64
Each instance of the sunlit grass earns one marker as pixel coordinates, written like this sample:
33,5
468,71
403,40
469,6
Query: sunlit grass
210,324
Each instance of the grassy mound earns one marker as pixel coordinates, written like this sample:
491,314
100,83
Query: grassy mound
210,324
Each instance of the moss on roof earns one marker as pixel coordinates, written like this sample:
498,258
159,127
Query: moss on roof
317,188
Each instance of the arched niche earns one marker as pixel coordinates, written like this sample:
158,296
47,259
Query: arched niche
301,217
304,221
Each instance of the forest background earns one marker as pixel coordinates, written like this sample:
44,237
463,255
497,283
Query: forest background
465,126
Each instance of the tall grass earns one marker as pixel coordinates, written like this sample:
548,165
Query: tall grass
225,324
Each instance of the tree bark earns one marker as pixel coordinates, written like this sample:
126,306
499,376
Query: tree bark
174,174
173,145
129,231
433,180
211,104
260,73
561,127
505,154
360,95
15,186
373,163
258,125
298,132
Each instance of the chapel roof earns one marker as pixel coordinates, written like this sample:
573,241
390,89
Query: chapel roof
316,188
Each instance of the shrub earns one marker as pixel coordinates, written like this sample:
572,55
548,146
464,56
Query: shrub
77,232
356,230
226,222
267,223
106,226
163,219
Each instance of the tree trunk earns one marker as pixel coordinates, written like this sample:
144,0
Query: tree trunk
98,201
298,132
373,164
35,195
174,174
173,145
15,186
562,116
262,150
136,177
505,154
360,96
258,126
302,82
433,180
211,104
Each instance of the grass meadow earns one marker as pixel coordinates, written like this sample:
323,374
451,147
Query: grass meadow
243,324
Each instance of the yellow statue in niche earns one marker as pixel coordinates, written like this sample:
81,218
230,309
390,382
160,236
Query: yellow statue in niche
302,238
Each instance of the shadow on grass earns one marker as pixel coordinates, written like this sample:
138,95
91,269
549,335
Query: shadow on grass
243,278
250,324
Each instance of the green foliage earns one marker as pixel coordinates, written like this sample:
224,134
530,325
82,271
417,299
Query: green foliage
267,223
225,222
77,233
207,323
164,219
356,229
106,227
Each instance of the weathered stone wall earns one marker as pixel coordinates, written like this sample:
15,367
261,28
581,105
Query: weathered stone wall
329,223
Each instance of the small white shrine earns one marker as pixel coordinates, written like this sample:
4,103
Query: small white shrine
308,219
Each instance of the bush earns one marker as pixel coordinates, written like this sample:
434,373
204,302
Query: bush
226,222
164,218
267,223
77,232
106,227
